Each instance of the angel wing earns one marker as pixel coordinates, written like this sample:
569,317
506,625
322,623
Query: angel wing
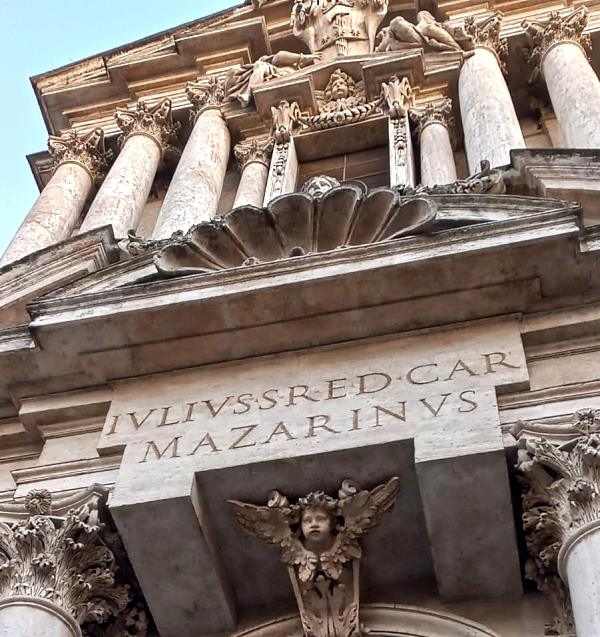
362,511
273,524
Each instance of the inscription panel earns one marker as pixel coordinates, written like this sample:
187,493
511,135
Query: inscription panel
438,388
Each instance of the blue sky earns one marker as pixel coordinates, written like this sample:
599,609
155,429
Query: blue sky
38,36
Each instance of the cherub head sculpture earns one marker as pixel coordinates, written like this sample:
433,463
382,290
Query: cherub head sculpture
318,519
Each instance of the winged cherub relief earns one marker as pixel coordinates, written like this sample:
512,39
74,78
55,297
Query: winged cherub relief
319,539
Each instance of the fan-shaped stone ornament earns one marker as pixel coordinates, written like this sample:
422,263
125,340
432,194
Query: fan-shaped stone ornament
294,225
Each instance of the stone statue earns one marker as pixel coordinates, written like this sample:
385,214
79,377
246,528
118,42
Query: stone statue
319,538
428,34
241,82
338,27
342,92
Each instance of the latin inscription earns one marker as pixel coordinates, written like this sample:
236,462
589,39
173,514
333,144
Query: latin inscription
330,408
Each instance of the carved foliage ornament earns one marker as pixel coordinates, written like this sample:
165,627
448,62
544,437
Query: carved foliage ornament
205,94
62,560
486,34
85,150
433,113
556,29
319,539
156,122
561,496
253,151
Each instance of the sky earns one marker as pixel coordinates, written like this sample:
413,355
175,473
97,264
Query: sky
38,36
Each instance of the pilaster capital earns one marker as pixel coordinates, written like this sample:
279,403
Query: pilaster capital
205,94
87,151
562,496
397,96
486,34
254,151
155,122
433,113
286,118
554,30
61,559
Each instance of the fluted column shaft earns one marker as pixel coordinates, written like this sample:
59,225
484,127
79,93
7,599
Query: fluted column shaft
253,160
194,193
490,123
437,157
79,161
560,55
123,195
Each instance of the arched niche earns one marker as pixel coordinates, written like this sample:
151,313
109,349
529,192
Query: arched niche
386,620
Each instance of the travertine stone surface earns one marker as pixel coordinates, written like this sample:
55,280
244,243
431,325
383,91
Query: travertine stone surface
491,127
253,183
123,194
26,616
283,172
193,195
582,561
54,214
574,89
437,156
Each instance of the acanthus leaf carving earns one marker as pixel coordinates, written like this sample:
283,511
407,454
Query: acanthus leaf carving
86,150
62,560
319,541
554,30
562,489
254,151
486,34
433,113
204,94
154,121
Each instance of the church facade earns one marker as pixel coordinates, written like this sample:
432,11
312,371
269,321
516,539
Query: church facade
302,335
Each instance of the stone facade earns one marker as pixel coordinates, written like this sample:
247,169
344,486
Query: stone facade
305,340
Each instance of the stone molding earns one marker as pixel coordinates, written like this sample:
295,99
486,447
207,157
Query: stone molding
559,505
433,113
556,29
205,95
155,122
87,151
254,151
63,560
486,34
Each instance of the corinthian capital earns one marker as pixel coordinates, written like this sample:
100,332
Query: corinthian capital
546,34
433,113
562,497
62,560
86,150
204,94
155,122
486,34
254,151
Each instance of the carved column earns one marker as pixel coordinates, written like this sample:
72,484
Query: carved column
56,573
561,519
147,131
560,54
195,189
253,159
397,99
490,124
283,171
434,122
78,162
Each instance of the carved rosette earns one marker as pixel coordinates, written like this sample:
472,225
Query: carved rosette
562,496
555,30
61,560
433,113
205,94
155,122
254,151
486,34
87,151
